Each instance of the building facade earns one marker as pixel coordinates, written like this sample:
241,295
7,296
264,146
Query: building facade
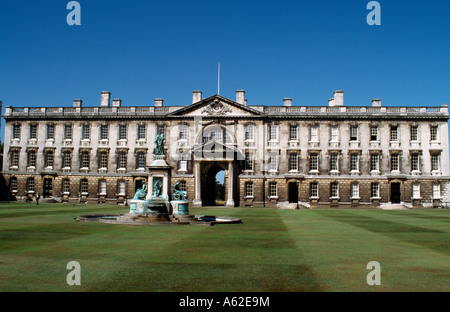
273,156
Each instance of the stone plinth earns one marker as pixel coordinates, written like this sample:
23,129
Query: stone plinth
138,206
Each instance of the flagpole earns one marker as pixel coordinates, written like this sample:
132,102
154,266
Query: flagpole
218,81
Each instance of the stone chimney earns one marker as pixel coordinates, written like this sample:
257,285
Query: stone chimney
287,102
240,97
159,102
77,103
338,98
331,102
196,96
106,99
117,103
376,103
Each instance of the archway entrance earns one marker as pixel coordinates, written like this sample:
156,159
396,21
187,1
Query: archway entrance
214,194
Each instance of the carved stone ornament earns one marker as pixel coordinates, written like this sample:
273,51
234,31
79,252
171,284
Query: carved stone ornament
216,108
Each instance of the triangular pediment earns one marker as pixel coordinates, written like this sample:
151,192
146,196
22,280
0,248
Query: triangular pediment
217,106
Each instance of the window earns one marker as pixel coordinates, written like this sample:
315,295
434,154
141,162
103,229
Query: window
334,190
122,132
394,162
414,162
314,162
227,138
102,187
50,132
249,132
161,129
273,133
104,132
122,161
30,185
435,160
249,161
84,186
354,162
293,132
353,133
66,186
33,131
248,189
273,189
334,134
314,134
314,190
86,132
103,160
416,190
375,190
355,190
85,160
67,160
32,159
141,161
183,134
183,162
374,162
436,191
121,188
182,186
394,133
16,132
273,162
14,159
334,162
374,133
414,133
13,184
49,159
434,133
141,132
293,162
67,132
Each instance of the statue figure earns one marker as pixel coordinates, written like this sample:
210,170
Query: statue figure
157,188
141,193
177,193
159,144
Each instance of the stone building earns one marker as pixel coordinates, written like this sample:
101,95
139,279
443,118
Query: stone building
272,156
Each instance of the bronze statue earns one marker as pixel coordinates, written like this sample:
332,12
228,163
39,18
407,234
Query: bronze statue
177,193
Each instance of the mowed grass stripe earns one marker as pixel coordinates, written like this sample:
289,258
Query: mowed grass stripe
257,255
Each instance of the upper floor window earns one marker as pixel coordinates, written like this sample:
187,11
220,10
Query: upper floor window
16,132
249,161
354,162
314,134
103,160
293,133
15,158
334,162
85,159
122,160
273,133
50,132
395,166
249,132
67,160
374,133
415,162
394,133
86,132
32,158
354,133
435,162
273,165
141,132
104,132
67,132
141,161
314,162
374,162
293,162
183,132
49,159
434,133
122,132
33,131
183,162
414,133
334,134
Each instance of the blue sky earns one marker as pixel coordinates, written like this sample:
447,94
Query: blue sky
142,50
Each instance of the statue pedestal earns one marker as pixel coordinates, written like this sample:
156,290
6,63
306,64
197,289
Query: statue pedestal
138,206
180,207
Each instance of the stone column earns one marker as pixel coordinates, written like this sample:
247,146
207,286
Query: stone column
198,185
230,201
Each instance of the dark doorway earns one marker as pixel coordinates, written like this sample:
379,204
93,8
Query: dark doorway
48,188
293,192
215,187
395,193
138,185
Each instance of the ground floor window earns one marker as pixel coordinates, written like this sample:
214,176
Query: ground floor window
248,189
375,190
314,190
66,186
273,189
84,186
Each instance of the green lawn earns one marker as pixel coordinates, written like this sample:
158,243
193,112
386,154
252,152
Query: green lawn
272,250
